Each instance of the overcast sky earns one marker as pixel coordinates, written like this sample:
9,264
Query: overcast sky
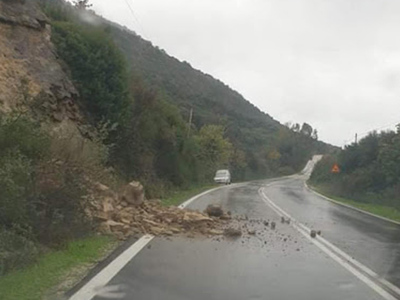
332,63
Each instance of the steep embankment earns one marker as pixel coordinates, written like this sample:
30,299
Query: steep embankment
29,67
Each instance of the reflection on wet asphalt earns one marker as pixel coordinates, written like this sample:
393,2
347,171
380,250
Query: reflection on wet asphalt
372,241
271,264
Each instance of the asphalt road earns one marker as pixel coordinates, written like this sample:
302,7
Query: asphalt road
274,264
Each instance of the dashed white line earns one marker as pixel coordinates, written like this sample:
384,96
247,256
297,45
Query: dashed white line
319,242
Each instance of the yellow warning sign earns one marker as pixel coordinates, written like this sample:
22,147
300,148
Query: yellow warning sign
335,168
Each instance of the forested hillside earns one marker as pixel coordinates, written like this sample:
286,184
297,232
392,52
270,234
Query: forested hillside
369,170
257,135
87,104
147,95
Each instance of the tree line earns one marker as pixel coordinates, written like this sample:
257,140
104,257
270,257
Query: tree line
369,170
148,96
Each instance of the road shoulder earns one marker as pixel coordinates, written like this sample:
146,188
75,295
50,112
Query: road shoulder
313,190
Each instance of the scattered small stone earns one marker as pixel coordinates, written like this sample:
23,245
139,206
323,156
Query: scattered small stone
319,232
297,249
282,220
149,247
285,239
266,223
288,221
273,225
313,233
229,213
251,232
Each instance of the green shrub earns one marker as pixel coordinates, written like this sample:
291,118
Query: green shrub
16,183
20,134
97,68
16,250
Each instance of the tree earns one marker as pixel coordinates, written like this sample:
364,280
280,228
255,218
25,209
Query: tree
82,4
306,129
296,127
97,68
315,134
215,150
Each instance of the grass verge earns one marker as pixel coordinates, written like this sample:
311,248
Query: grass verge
177,197
377,209
34,282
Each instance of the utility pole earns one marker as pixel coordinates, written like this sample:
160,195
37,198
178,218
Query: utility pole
190,122
356,137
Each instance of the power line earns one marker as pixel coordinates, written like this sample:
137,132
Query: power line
361,135
136,18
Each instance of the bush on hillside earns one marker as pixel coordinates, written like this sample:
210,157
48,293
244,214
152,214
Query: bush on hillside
370,170
16,250
97,68
44,176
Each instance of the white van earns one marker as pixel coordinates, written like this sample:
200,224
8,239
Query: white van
223,176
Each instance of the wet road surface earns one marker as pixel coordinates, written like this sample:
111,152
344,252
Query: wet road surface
273,264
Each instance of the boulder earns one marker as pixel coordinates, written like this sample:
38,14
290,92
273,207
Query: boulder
133,193
214,210
313,233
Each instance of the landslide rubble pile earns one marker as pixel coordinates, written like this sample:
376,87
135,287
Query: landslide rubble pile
127,213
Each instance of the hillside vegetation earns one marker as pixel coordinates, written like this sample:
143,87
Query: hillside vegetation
160,84
132,124
370,171
265,146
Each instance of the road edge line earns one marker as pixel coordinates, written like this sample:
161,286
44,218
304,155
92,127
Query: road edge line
318,241
89,290
350,206
189,201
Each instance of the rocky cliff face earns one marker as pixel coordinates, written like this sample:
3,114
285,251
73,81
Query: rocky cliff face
29,68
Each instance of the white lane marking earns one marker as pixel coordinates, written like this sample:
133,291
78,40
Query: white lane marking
362,267
356,263
89,290
352,260
189,201
349,206
317,242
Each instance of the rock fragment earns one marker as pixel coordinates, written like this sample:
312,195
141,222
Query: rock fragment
232,232
214,210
